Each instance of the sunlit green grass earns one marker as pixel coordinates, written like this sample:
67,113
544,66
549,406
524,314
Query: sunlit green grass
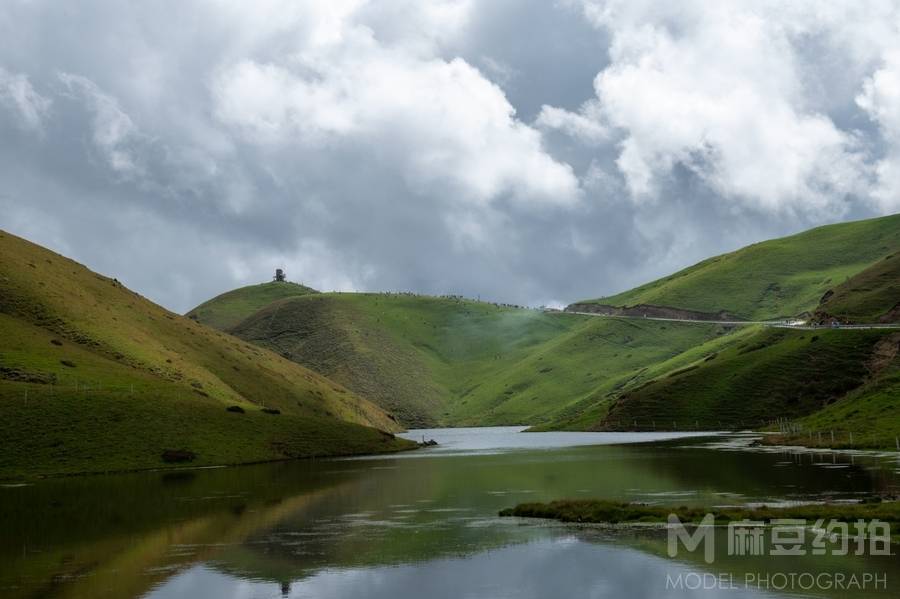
93,377
458,362
449,361
228,309
778,278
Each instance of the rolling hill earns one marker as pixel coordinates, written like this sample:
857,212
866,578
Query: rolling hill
838,380
773,279
772,373
228,309
94,377
450,361
870,296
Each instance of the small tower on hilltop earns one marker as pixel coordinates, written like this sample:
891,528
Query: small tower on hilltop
280,277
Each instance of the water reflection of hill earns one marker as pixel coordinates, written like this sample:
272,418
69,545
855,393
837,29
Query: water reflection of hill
120,536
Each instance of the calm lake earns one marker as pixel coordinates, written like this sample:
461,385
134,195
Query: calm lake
420,524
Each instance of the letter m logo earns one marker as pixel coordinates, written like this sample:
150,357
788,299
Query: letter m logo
704,533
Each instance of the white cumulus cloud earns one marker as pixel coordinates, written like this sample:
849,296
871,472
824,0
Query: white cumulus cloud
441,122
730,93
113,130
17,94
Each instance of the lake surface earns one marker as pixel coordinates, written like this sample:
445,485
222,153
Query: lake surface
419,524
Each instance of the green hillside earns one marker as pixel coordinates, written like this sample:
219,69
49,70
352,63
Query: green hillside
93,377
452,361
868,416
872,295
226,310
772,279
413,355
772,373
449,361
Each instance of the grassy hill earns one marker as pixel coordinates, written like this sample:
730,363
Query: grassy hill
834,380
771,373
866,417
452,361
872,295
93,377
228,309
778,278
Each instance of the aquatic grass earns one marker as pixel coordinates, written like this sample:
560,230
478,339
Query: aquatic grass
612,512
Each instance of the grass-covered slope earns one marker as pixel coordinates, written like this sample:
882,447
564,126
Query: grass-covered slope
575,373
770,374
868,416
448,361
228,309
452,361
94,377
343,337
872,295
772,279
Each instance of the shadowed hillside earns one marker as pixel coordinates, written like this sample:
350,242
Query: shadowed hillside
774,373
870,296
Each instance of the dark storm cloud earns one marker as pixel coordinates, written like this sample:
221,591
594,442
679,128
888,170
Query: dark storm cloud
522,151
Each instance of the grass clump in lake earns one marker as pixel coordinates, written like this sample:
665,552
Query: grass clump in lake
613,512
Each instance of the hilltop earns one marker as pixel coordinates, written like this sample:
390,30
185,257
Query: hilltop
450,361
228,309
835,380
94,377
773,279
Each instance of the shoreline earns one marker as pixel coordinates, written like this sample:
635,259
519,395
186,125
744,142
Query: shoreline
10,482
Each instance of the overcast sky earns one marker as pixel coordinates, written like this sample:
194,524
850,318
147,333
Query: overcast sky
527,151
